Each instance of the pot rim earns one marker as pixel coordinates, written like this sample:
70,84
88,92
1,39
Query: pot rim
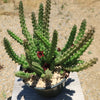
53,86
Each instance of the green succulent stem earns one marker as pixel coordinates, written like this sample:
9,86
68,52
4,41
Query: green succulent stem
81,31
40,17
13,55
36,67
52,50
43,39
47,75
24,75
66,55
83,66
24,28
34,23
79,52
22,21
15,37
30,54
46,18
70,39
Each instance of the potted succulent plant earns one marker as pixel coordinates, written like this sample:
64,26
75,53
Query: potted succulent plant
43,62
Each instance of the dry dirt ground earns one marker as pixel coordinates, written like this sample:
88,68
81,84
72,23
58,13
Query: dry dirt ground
64,14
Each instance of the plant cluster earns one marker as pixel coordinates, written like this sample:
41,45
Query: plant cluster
42,56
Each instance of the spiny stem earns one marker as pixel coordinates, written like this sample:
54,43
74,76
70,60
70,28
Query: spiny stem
83,66
15,37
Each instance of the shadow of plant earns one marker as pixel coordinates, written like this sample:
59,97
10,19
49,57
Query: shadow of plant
9,98
30,94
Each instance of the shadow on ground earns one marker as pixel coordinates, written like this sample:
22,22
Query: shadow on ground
30,94
9,98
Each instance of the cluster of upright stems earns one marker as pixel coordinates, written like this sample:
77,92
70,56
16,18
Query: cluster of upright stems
41,54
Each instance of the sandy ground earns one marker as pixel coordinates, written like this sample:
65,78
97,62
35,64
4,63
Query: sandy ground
64,14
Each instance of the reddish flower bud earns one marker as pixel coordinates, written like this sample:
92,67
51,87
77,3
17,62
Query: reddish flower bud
40,54
45,66
72,45
58,49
